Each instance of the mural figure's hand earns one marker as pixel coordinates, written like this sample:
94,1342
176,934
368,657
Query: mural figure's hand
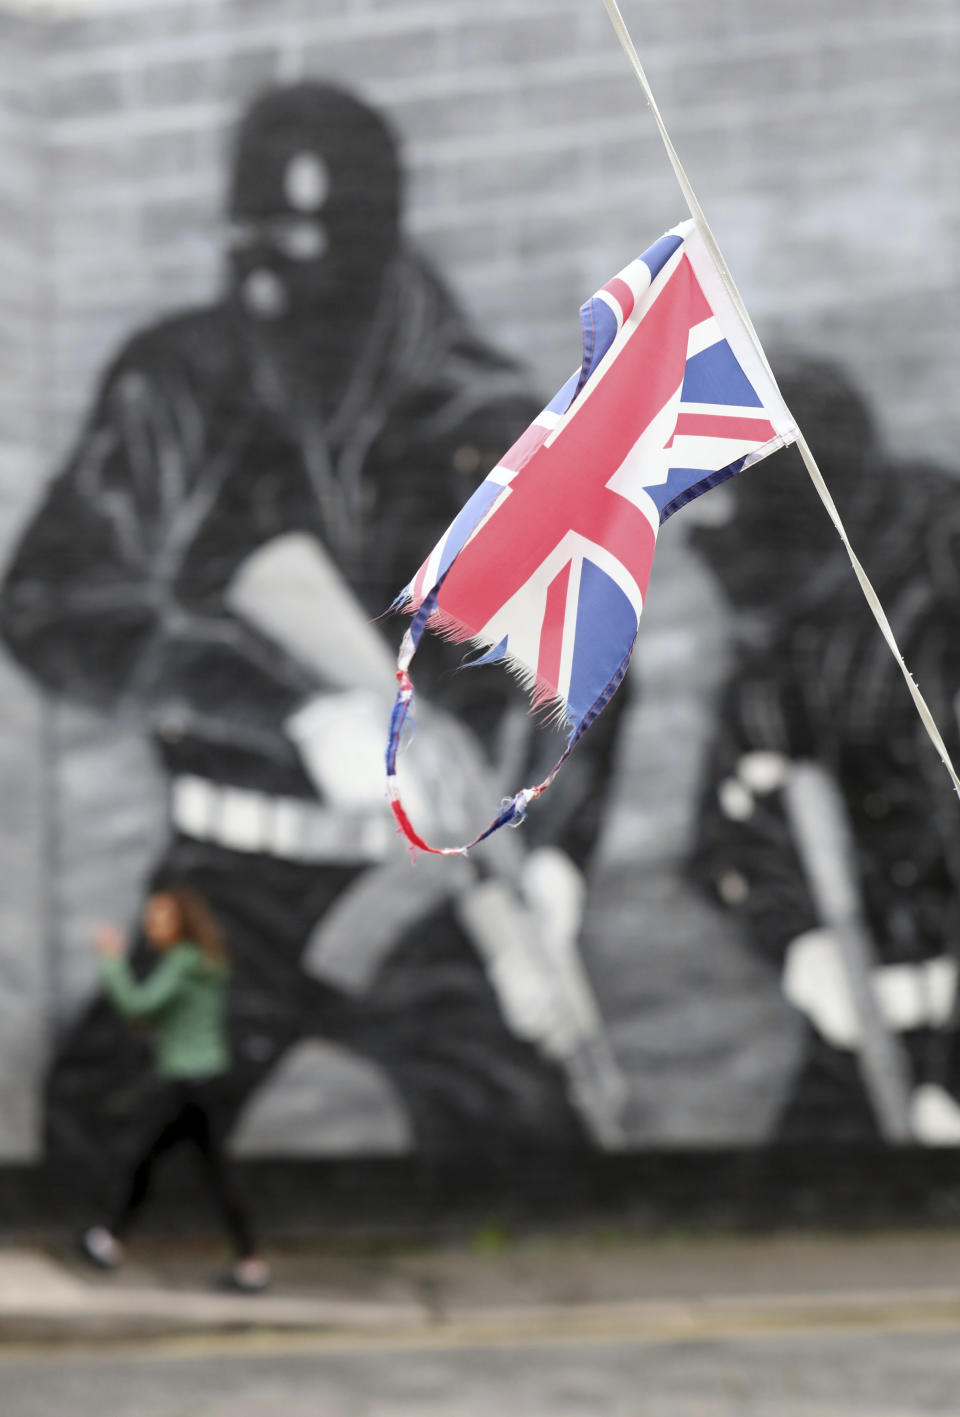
934,1116
110,942
340,738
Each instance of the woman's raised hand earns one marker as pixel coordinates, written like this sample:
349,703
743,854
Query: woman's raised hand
110,941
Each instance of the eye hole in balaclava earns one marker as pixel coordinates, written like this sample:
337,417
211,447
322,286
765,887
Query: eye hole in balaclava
306,181
314,204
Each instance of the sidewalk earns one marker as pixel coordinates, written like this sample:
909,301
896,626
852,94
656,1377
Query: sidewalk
610,1284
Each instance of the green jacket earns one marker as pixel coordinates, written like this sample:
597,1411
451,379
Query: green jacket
184,998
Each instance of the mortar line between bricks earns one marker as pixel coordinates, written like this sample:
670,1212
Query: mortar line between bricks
425,152
209,44
348,27
70,132
479,82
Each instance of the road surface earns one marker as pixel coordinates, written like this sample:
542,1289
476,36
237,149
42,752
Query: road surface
892,1370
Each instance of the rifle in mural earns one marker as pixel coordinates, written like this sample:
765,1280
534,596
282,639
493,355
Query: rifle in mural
546,568
522,910
820,827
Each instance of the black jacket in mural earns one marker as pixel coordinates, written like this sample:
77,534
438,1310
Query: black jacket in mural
199,450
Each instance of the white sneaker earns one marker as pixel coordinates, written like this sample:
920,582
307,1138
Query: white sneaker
101,1248
247,1276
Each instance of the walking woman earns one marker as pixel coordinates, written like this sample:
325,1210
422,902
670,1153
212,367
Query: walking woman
183,999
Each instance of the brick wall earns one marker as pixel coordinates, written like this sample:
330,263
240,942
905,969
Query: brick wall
21,143
821,140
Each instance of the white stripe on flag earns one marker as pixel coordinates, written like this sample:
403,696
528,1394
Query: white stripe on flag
702,336
612,304
569,628
648,462
713,453
723,410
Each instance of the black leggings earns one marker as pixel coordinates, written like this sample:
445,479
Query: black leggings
187,1114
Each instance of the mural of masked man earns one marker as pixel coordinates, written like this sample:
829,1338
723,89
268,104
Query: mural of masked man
827,824
253,485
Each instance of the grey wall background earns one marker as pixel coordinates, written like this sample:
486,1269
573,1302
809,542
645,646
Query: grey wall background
822,141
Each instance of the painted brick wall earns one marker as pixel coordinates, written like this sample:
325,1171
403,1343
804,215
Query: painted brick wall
21,140
821,139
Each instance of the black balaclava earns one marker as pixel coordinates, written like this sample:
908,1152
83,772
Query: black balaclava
314,207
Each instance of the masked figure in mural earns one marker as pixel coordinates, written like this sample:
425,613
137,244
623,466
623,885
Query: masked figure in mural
828,824
251,489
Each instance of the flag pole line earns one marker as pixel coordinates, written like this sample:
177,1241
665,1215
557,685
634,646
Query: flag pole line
809,462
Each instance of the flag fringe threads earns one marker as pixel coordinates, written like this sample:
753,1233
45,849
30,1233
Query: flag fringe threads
513,810
549,707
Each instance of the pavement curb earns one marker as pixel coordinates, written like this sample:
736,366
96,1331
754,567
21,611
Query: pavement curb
43,1302
48,1302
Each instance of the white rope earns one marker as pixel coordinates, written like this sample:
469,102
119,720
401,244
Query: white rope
809,462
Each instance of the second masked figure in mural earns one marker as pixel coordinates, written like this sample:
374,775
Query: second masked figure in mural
252,487
828,825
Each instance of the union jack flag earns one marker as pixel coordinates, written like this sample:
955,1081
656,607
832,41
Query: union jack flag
547,565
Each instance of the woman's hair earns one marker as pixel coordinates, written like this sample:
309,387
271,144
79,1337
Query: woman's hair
197,921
